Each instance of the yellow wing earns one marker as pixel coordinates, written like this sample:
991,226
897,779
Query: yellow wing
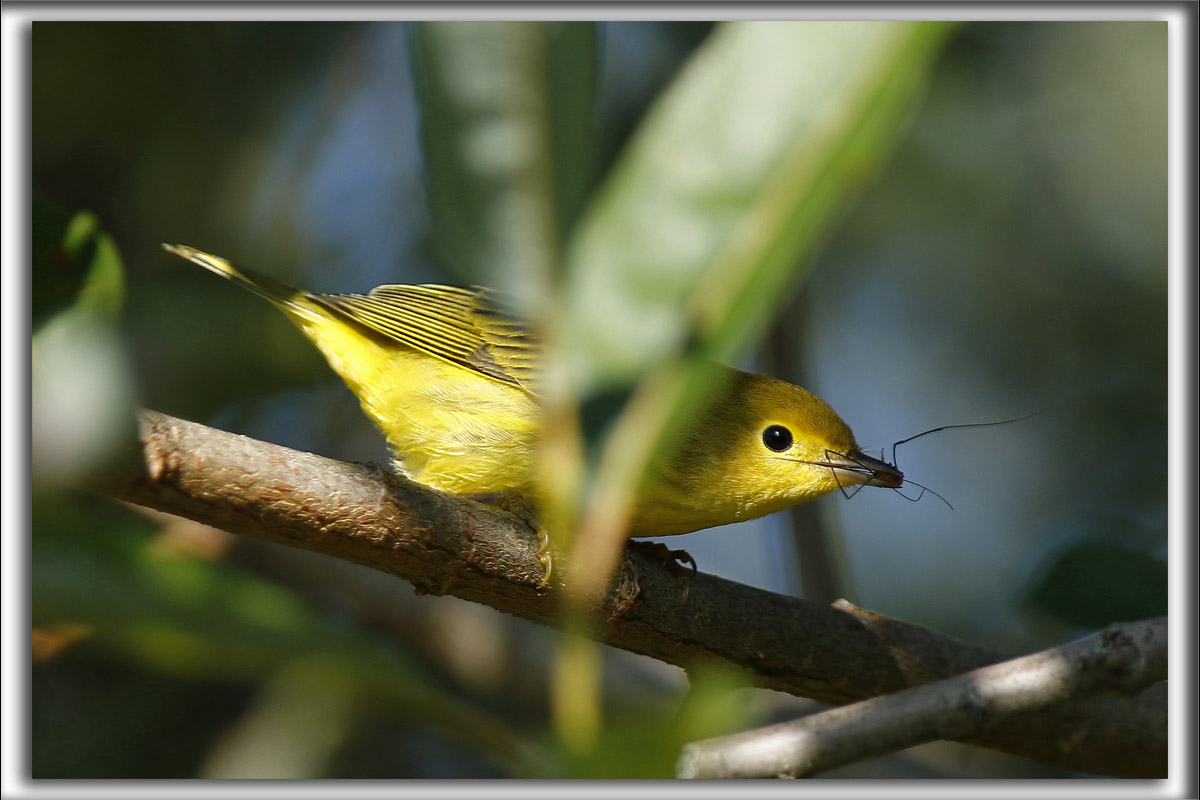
467,327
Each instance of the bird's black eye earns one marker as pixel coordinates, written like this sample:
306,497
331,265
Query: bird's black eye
777,438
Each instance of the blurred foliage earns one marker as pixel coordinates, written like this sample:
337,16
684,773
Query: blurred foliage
60,277
990,273
167,612
703,227
81,383
706,224
1135,585
698,231
1011,256
508,151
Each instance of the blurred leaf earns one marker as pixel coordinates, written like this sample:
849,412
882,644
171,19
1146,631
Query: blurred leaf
51,640
55,278
81,381
643,739
74,263
697,237
506,123
506,120
1092,585
96,717
300,719
736,172
103,290
94,565
717,703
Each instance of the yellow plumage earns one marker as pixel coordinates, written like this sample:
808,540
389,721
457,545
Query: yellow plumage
452,382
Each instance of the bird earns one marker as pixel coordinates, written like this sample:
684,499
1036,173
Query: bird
452,379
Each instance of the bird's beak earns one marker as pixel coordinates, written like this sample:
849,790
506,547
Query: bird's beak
859,468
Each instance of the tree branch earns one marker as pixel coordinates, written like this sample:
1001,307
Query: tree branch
1124,658
445,544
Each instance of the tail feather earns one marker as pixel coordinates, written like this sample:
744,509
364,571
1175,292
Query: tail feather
279,293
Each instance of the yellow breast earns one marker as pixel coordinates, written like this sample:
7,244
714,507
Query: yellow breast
449,427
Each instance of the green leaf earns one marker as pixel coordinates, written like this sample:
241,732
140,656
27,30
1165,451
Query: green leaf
95,564
103,290
643,735
81,381
75,263
735,175
700,233
506,126
55,278
1094,584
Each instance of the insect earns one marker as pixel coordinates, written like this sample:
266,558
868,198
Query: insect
924,489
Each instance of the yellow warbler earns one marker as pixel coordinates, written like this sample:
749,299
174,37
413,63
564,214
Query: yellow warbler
452,381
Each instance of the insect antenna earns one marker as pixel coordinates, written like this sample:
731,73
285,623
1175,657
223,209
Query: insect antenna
923,489
961,425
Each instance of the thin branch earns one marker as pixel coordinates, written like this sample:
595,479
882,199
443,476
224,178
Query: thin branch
1124,658
445,544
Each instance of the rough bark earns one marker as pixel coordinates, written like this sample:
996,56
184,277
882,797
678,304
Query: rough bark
442,544
1124,658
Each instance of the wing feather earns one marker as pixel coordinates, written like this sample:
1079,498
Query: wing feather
468,327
